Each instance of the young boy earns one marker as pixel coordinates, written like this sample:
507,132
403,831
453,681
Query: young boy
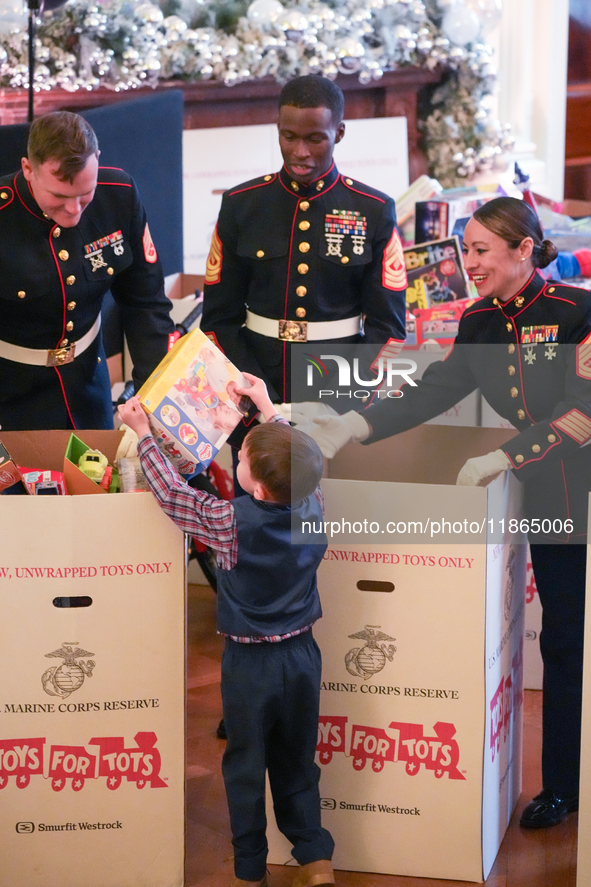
267,602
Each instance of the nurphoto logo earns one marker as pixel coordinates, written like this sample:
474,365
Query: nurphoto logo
340,373
389,372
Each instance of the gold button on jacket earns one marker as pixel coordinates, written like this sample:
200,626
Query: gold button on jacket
39,259
335,239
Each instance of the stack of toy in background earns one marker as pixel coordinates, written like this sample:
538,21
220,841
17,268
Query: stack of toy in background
432,223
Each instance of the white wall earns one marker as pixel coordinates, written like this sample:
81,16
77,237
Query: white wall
531,45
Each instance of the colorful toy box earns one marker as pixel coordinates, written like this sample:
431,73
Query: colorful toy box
191,402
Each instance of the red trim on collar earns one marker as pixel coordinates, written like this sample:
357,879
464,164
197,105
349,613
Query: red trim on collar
529,280
309,197
43,219
328,172
525,306
293,193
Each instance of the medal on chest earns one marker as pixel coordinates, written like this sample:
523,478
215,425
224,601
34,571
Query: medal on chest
340,223
535,335
94,251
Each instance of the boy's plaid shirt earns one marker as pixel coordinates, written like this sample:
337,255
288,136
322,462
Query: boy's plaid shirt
209,520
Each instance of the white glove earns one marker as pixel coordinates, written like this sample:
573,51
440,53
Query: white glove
298,413
284,410
127,448
333,432
478,472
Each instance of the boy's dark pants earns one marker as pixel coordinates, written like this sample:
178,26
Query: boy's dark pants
271,697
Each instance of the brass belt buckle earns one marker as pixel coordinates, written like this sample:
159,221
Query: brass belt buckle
57,357
293,330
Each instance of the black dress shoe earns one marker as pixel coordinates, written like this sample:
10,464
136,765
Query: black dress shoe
547,809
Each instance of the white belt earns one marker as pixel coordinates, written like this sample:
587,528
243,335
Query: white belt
302,330
53,357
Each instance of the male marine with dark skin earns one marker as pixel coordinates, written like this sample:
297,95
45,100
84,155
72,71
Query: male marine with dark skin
304,255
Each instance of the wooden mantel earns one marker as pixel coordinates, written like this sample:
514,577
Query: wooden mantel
211,103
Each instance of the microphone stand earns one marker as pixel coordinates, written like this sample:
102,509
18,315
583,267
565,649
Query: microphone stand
33,10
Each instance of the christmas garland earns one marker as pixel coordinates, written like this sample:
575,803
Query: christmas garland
126,44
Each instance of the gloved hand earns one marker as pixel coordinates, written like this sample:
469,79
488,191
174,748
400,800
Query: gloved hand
305,412
284,410
333,432
127,448
298,413
478,472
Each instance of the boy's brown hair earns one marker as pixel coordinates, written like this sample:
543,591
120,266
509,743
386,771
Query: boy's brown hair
64,137
287,462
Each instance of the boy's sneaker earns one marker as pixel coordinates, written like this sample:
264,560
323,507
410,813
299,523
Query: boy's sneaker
315,874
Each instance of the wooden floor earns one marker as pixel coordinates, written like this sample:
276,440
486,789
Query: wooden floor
545,858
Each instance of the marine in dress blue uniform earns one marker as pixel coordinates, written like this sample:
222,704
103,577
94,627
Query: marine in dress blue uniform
293,263
52,283
531,358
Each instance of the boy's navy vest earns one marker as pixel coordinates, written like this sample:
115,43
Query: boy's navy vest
272,589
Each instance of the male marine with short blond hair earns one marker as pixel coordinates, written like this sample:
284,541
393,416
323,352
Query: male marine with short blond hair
69,232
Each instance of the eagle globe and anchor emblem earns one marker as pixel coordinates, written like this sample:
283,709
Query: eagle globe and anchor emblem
62,680
363,662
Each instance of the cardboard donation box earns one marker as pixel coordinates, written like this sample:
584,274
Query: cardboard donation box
419,739
92,650
533,667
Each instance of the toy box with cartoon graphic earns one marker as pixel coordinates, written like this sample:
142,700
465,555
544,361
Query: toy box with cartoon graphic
191,402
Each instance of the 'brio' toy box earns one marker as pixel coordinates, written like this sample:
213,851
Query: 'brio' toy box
192,403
